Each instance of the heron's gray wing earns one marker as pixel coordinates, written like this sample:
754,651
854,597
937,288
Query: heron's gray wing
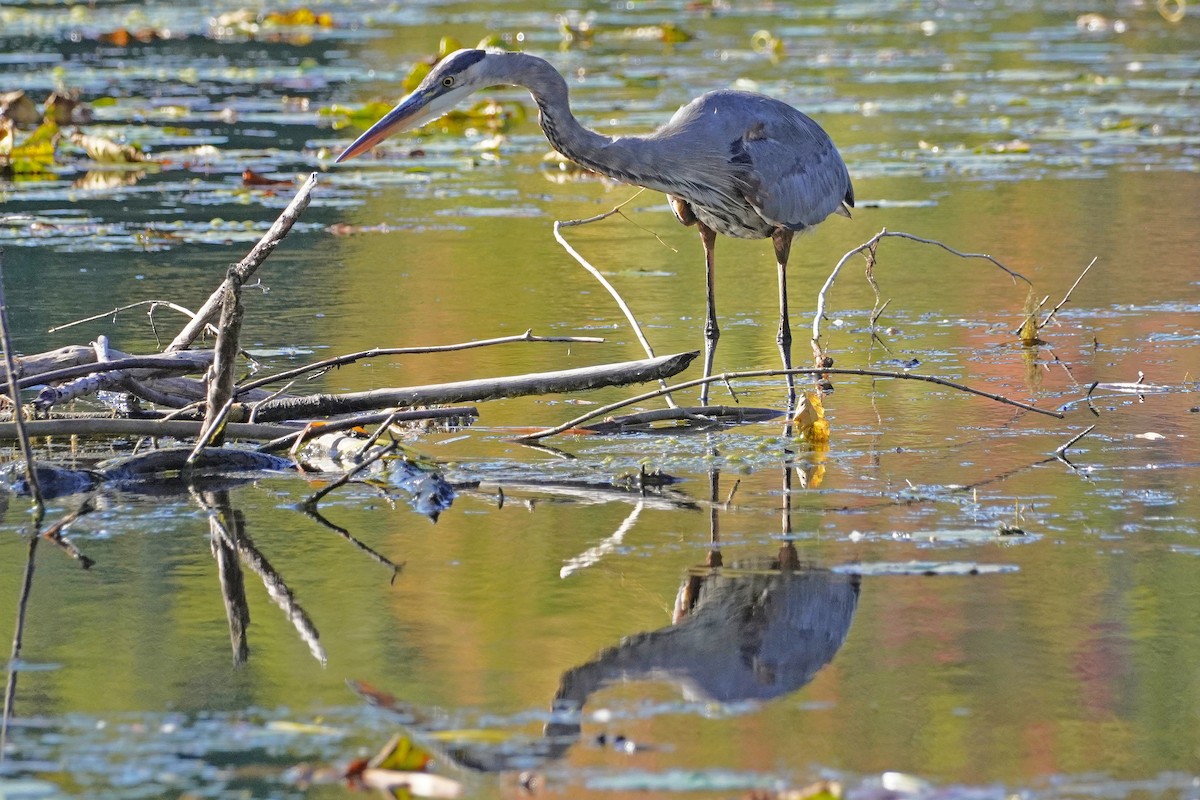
796,177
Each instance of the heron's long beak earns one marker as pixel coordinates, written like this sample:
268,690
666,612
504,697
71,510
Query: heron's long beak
413,111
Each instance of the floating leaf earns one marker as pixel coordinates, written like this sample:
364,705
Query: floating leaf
411,784
18,107
32,156
106,151
1029,328
809,419
767,44
401,753
415,75
299,16
447,45
62,108
1015,146
252,178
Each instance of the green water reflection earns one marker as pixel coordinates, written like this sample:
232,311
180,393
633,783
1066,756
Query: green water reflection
1068,668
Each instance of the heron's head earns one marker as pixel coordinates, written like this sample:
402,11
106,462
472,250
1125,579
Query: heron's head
454,77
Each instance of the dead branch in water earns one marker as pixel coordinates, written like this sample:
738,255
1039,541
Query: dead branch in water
595,273
154,304
221,377
1032,315
35,490
278,436
184,361
569,380
242,271
764,373
869,248
377,352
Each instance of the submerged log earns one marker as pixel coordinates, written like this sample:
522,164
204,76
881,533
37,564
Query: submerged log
568,380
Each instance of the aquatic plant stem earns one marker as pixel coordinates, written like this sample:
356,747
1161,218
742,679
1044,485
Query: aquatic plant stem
765,373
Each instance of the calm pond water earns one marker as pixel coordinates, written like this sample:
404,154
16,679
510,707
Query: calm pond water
868,618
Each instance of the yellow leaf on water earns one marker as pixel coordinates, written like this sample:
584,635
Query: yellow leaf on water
401,754
809,420
1029,328
33,155
106,151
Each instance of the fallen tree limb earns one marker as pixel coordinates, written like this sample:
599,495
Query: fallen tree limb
277,436
766,373
595,273
570,380
109,376
33,365
137,366
18,423
711,415
376,352
242,271
97,426
449,414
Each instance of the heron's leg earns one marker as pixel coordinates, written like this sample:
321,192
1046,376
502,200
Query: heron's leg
782,239
708,238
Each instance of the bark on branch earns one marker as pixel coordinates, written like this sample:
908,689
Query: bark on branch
570,380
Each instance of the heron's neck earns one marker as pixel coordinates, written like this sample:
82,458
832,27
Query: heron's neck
565,133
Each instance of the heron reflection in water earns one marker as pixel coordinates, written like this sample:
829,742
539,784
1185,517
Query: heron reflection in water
737,163
748,631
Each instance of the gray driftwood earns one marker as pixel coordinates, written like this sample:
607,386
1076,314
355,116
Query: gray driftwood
569,380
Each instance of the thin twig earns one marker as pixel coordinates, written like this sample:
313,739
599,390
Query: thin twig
595,273
330,363
763,373
1067,296
189,361
1060,452
870,246
54,533
10,686
35,489
311,502
152,303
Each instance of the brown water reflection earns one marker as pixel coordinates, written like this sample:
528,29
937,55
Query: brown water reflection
1066,667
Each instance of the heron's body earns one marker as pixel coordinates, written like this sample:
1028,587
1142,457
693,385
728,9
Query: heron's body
737,163
772,167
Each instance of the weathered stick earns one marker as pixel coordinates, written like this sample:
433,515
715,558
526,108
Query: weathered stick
247,266
373,418
135,366
37,363
311,502
376,352
220,384
1067,296
595,273
570,380
107,426
154,304
35,489
280,436
764,373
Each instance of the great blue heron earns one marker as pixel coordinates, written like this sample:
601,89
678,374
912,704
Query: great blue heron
730,162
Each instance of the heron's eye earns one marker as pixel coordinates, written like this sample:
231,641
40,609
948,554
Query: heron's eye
448,81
